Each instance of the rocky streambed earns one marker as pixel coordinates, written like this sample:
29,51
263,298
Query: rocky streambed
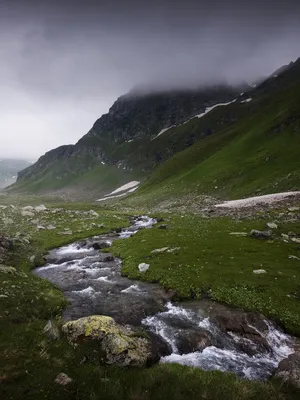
196,333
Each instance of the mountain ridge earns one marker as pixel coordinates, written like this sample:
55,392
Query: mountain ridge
141,132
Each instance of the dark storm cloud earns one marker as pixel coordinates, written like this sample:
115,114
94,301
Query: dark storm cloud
63,63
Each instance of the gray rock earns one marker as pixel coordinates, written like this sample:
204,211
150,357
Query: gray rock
289,370
260,234
51,227
272,225
294,257
27,214
40,227
173,249
100,245
195,340
259,271
162,250
63,379
292,209
93,213
295,240
143,267
67,233
118,344
28,208
163,226
40,208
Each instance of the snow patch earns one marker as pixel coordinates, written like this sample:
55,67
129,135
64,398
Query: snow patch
128,185
208,109
247,100
163,131
252,201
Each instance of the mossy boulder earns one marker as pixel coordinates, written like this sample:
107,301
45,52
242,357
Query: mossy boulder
119,345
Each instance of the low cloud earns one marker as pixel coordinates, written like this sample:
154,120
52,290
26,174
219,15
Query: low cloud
62,67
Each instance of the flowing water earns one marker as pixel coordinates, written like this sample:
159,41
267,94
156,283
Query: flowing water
91,280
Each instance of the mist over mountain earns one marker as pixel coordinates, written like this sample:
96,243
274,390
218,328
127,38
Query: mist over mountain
64,63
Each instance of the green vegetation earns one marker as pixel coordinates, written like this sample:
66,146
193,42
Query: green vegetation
29,361
237,150
96,182
211,262
257,155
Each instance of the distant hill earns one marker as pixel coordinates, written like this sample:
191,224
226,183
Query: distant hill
9,169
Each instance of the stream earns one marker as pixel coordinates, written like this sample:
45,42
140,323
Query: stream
202,333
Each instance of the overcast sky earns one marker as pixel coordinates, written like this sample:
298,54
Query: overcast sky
63,63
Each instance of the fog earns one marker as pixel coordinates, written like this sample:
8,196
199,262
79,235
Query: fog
63,63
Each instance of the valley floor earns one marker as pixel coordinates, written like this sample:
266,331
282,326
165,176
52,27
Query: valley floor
215,257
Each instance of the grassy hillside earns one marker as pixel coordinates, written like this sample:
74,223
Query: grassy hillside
258,154
97,182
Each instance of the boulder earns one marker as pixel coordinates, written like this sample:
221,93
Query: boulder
27,214
117,344
259,271
247,326
63,379
296,240
289,370
50,227
28,208
93,213
100,245
195,340
163,226
143,267
40,208
271,225
260,234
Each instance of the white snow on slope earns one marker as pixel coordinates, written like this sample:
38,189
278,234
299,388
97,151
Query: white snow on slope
207,110
247,100
252,201
114,196
128,185
163,131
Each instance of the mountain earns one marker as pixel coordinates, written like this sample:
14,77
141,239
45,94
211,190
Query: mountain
257,154
115,149
9,169
220,141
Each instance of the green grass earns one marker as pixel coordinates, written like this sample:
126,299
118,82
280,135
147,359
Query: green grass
258,154
29,362
213,263
91,184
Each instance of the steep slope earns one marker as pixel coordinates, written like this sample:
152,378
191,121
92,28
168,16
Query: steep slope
258,154
217,141
9,169
115,140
